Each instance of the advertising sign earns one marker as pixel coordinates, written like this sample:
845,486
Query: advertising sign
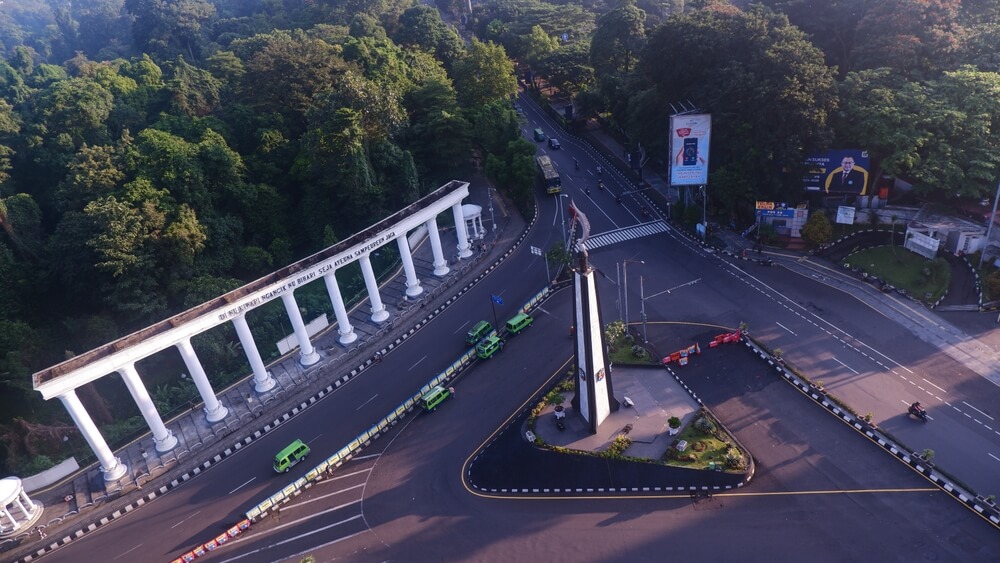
689,141
838,172
845,215
772,209
922,244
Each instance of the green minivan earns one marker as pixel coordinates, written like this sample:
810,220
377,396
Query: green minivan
518,323
478,333
539,135
433,398
292,454
489,346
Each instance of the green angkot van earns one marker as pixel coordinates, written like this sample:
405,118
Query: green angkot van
478,332
433,398
288,457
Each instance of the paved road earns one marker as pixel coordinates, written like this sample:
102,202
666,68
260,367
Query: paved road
822,492
724,296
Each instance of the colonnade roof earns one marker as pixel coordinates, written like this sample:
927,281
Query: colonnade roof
108,358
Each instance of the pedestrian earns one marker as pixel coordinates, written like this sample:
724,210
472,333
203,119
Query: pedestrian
452,391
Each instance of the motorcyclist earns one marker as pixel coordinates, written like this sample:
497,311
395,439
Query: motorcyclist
645,211
599,170
600,184
587,189
618,198
576,163
916,408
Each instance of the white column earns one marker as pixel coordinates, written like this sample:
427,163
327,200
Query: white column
307,353
262,381
214,411
162,436
13,521
464,250
413,288
111,466
440,264
24,497
347,334
24,511
379,313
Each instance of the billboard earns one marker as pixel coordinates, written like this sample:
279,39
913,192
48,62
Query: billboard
689,139
772,209
844,172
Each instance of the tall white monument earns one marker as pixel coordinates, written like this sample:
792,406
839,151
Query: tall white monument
594,398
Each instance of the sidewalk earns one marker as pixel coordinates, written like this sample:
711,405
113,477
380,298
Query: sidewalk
85,498
655,395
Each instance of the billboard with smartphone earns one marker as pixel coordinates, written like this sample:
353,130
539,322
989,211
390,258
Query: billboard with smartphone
689,139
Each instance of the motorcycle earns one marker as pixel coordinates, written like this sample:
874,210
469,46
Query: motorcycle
587,190
919,413
600,185
645,213
576,163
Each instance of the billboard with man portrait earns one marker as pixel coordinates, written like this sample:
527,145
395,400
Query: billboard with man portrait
839,172
689,138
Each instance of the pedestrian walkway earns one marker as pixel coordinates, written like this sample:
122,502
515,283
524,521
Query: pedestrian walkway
626,234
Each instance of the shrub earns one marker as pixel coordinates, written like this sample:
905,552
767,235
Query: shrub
674,422
629,339
638,351
554,397
36,465
614,331
617,447
734,458
704,425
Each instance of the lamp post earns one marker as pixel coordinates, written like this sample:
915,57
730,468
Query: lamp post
704,212
642,296
625,264
489,191
562,216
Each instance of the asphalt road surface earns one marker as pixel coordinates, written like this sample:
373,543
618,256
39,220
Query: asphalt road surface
414,502
822,492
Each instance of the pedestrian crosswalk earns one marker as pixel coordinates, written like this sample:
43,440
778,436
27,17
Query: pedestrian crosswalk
628,233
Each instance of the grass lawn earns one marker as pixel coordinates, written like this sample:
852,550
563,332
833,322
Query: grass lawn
923,278
621,354
712,450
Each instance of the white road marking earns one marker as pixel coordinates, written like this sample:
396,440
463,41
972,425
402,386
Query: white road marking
304,502
316,531
129,551
846,366
366,402
418,361
786,328
979,411
993,456
196,513
930,383
461,328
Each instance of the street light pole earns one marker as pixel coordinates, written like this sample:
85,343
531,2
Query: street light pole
642,311
562,216
618,286
489,191
625,275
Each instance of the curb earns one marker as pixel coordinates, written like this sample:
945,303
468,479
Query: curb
913,460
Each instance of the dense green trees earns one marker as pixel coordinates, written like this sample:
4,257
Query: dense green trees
766,87
175,150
